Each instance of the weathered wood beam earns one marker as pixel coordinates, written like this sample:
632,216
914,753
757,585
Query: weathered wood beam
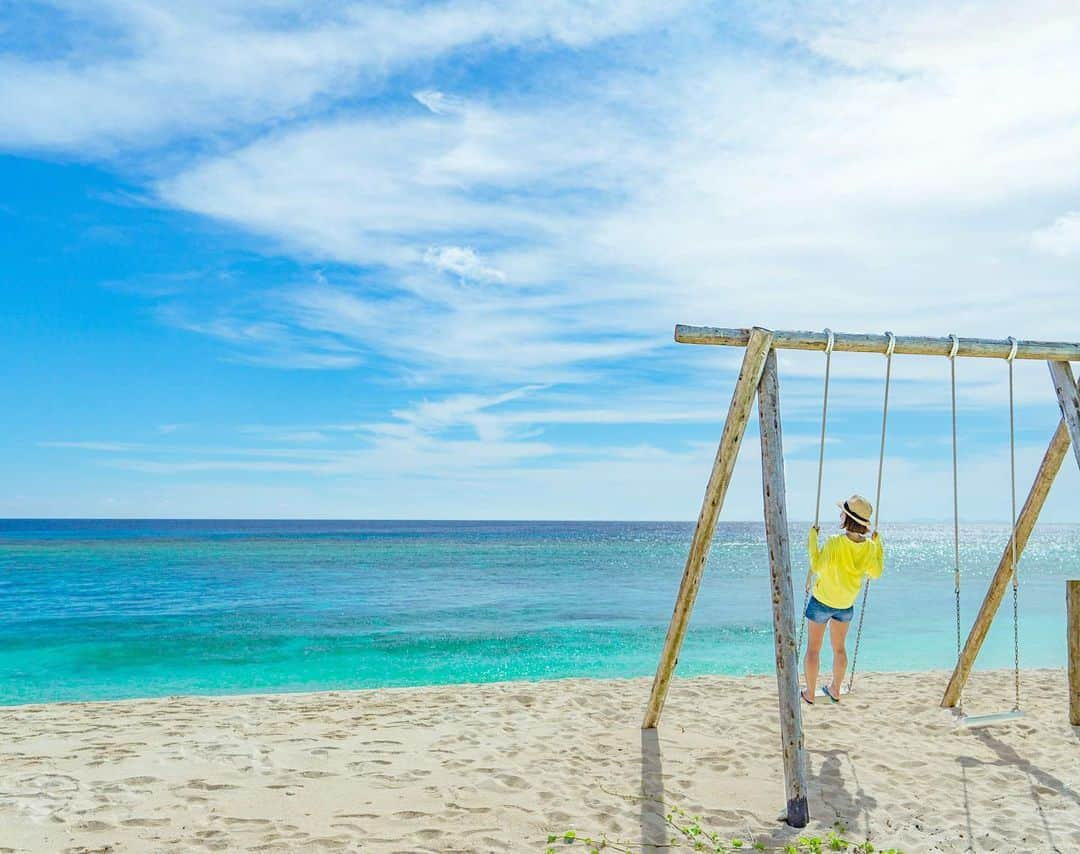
1072,629
1069,400
999,584
987,348
783,597
1025,522
742,400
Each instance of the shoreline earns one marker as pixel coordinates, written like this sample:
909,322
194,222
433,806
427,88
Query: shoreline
499,766
647,680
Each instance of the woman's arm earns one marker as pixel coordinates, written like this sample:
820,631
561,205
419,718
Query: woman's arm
815,554
877,556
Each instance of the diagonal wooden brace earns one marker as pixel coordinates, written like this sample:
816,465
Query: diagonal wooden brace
742,401
1069,400
1069,427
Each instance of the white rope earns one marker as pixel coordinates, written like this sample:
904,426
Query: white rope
1012,538
884,419
877,497
824,415
820,471
956,501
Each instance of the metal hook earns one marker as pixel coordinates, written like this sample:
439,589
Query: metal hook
830,342
1015,344
955,345
892,345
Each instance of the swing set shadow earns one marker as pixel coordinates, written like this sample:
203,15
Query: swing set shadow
758,378
1008,757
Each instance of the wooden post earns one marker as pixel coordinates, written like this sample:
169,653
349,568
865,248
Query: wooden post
783,597
1069,401
1072,630
999,584
742,400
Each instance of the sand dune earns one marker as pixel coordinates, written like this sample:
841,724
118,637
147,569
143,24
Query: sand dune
497,767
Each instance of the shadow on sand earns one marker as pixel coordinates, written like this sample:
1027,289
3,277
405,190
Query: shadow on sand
827,781
1007,756
654,830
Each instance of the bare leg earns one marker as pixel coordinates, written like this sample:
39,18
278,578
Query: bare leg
815,634
837,634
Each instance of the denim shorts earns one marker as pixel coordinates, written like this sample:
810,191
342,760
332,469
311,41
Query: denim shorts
818,612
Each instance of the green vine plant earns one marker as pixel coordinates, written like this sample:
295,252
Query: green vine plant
689,834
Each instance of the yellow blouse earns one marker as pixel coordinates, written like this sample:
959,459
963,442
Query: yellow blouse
840,566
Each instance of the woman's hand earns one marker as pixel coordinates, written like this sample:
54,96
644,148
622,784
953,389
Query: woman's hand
874,535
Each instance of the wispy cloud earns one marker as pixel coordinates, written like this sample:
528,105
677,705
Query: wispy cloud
754,185
1061,237
106,447
462,262
514,247
267,342
167,69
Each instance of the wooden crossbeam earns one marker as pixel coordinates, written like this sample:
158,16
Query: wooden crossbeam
908,345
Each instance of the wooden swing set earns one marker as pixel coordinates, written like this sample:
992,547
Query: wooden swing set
758,375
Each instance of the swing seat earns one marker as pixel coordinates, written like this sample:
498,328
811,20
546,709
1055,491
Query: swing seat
976,721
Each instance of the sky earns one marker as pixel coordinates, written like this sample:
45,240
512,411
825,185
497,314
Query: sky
424,260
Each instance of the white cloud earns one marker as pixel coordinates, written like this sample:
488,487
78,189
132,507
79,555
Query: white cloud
439,102
107,447
412,478
895,168
188,69
722,187
268,342
1061,238
463,262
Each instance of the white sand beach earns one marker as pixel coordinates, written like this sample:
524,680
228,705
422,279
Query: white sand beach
498,767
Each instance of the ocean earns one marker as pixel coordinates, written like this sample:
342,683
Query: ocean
106,609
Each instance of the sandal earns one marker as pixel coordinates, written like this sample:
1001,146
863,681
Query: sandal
825,690
803,695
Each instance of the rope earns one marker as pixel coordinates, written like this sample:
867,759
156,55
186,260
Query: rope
824,415
956,503
877,498
1012,539
820,472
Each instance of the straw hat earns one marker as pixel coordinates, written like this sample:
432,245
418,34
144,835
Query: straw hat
858,509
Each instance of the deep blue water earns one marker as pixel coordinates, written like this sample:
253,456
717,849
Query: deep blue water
107,609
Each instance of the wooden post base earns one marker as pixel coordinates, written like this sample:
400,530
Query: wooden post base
798,812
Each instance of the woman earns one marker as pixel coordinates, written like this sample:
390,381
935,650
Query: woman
840,567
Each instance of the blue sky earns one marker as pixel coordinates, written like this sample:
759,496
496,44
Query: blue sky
364,260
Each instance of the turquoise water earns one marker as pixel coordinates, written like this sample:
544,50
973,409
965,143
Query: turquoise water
111,609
